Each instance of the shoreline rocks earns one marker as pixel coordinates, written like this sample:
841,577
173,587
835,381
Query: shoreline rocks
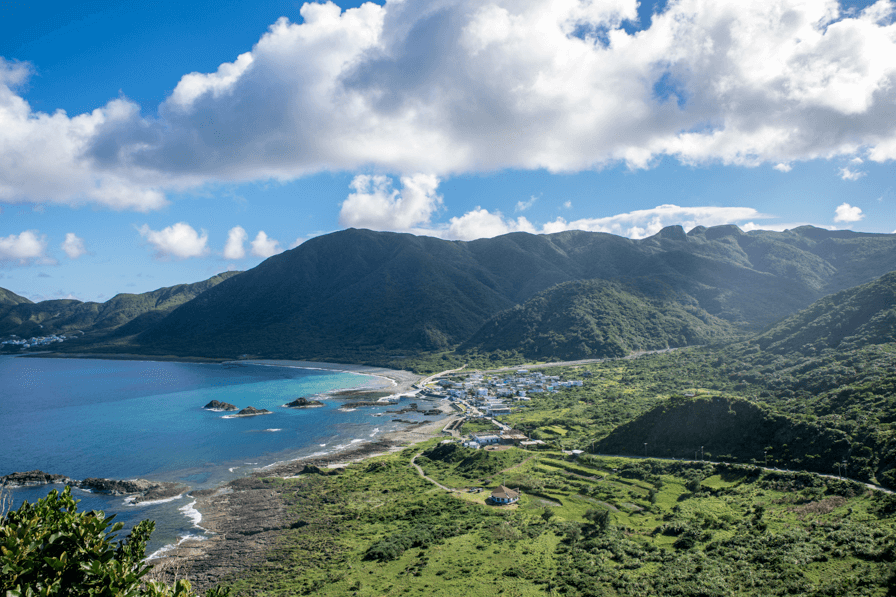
142,490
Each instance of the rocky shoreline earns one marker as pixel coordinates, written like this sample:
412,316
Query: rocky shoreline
245,516
142,490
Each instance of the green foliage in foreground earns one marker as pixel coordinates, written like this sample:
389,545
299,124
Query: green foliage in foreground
50,549
587,527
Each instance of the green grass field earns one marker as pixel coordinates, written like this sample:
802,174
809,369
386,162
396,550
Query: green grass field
592,526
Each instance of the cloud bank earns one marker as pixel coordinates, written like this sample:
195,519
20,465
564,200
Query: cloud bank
375,204
452,86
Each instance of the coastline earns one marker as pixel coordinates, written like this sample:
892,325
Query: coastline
243,517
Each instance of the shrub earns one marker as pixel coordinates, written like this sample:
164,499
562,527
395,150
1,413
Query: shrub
50,549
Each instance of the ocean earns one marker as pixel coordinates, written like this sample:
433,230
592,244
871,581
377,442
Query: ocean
126,419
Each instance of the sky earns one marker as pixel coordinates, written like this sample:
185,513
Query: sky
144,145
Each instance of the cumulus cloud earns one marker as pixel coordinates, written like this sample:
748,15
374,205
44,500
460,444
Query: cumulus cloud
480,223
375,204
848,213
849,174
524,205
265,247
469,85
73,245
46,158
235,246
180,241
24,248
783,167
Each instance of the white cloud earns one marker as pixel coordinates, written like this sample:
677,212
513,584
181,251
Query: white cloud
524,205
180,241
847,174
265,247
646,222
848,213
375,204
480,223
567,204
25,248
236,238
469,85
73,245
782,167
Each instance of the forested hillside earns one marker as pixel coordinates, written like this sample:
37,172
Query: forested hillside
597,319
98,320
362,295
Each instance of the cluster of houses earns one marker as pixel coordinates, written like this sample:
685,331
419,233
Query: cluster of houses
496,395
32,342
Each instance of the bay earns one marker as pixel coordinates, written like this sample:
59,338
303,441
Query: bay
127,419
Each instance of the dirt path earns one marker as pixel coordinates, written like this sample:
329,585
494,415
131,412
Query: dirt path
430,479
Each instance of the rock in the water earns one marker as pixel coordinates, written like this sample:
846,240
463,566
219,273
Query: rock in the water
303,403
251,411
218,405
33,478
141,489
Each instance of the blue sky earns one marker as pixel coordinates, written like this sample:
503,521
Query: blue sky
149,144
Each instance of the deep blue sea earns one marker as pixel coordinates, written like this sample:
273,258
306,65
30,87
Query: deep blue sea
126,419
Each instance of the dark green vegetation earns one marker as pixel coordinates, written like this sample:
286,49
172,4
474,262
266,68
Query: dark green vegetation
50,549
122,315
402,300
592,526
8,298
596,318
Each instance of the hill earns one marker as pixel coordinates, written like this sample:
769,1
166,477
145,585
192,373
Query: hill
11,298
596,319
357,294
730,429
848,319
99,320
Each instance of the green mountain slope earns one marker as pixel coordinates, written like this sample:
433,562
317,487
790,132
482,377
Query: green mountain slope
8,298
98,319
849,319
356,294
596,319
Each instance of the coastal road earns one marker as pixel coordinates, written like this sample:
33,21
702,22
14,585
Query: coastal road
429,379
871,486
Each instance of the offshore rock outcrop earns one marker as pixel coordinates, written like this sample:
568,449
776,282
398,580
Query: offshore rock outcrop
303,403
218,405
251,411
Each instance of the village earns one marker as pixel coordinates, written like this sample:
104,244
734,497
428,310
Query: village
492,396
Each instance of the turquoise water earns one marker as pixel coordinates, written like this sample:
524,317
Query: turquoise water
125,419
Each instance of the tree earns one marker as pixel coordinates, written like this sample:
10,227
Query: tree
599,519
49,549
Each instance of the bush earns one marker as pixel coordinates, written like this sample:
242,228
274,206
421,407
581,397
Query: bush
50,549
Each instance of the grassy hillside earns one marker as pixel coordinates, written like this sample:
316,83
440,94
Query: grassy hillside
8,298
596,319
584,528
